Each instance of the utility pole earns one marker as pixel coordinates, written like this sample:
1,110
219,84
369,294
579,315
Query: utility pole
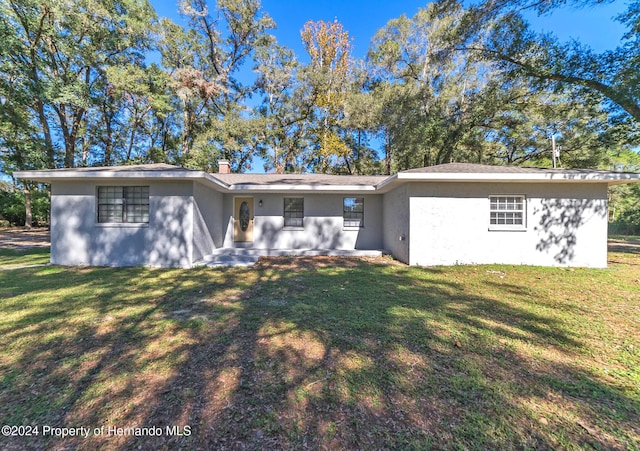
555,151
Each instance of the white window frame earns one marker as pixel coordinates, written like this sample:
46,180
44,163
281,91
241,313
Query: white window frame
508,212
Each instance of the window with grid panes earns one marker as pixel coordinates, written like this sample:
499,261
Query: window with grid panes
507,212
293,211
353,212
123,204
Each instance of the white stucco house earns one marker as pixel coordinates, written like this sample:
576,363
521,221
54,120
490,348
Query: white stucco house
168,216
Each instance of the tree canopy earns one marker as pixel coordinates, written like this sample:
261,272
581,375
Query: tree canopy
103,82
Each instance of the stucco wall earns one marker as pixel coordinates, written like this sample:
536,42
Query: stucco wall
420,223
207,221
77,238
566,225
396,223
323,223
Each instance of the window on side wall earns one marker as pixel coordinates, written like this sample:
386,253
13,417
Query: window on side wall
293,211
507,212
353,212
123,204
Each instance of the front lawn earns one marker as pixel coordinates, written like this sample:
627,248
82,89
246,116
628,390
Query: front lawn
323,353
12,258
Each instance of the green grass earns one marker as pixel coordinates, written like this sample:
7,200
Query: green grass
10,258
333,353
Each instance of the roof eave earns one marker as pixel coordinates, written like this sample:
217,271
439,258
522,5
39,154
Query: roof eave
388,183
610,178
299,188
80,175
563,177
77,176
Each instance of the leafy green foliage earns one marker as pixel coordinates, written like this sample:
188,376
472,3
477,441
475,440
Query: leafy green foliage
328,77
447,97
284,109
455,82
56,64
624,200
203,62
521,52
12,206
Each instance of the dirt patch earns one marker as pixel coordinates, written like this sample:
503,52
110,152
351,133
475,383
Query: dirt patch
314,262
22,239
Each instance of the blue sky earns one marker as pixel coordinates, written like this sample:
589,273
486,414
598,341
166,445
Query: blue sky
593,26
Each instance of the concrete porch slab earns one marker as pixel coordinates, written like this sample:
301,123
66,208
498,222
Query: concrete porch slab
249,256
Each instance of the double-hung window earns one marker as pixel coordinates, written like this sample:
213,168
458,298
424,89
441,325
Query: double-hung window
507,212
123,204
353,212
293,211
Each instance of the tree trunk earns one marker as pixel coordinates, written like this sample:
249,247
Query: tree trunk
85,148
131,141
48,141
70,134
279,169
28,215
387,156
358,163
42,117
108,141
185,132
70,152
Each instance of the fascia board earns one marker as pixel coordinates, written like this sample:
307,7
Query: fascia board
387,184
51,176
81,175
300,188
611,178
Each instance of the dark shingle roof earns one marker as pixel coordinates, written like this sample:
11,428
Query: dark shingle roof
298,179
284,182
471,168
120,169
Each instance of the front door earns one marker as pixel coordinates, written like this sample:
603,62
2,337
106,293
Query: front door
243,219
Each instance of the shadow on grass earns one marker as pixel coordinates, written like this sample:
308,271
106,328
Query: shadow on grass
629,245
297,353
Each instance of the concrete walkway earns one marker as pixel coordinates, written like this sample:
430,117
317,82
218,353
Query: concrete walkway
249,256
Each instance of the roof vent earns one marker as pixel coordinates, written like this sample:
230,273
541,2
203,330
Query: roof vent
224,167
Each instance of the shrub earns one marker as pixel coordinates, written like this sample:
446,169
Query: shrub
12,209
628,223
